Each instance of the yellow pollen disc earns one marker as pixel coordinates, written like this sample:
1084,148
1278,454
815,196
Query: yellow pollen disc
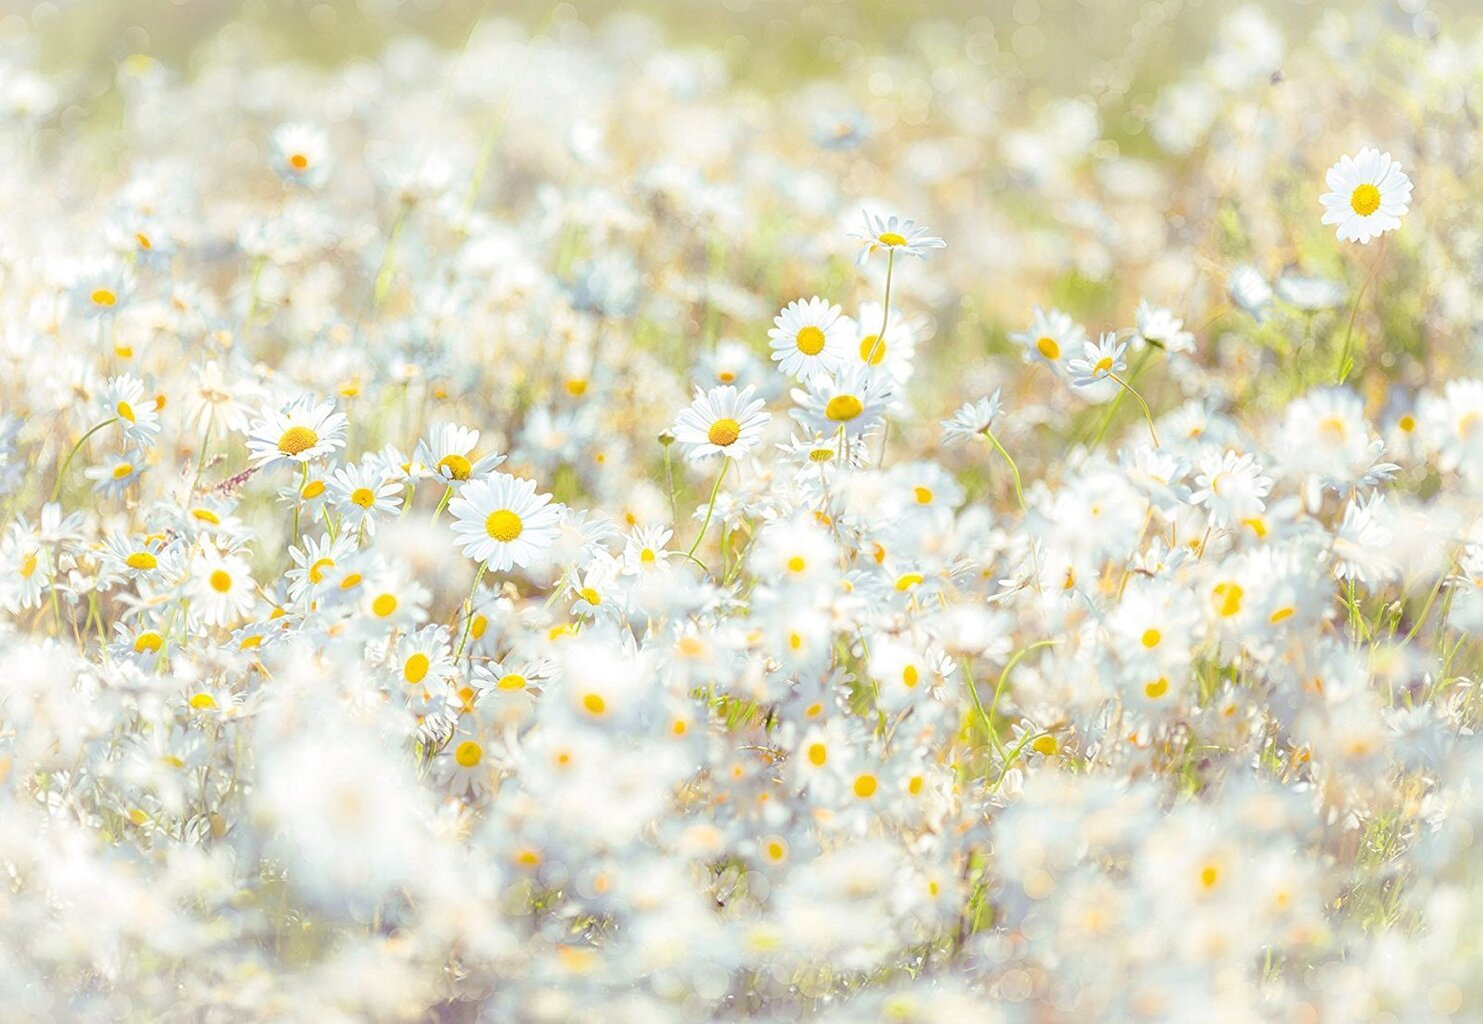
1156,688
796,564
923,494
891,238
104,297
725,377
724,432
817,753
1103,365
143,240
1046,745
455,466
1256,525
690,646
141,560
775,849
1228,599
795,641
872,349
1280,615
296,440
647,556
312,490
415,669
810,340
577,387
480,624
316,571
203,702
503,525
513,681
126,411
351,582
148,642
865,786
593,704
1151,638
843,408
1365,200
384,605
1047,347
680,727
821,454
910,676
298,161
914,787
122,470
1209,876
591,596
123,351
908,580
221,581
1407,423
468,754
363,496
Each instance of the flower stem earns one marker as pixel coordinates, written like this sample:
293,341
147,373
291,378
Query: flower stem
1019,491
468,615
1346,359
710,508
61,473
880,337
1147,413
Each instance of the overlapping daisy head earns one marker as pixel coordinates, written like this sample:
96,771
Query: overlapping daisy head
722,421
299,432
893,235
809,336
1053,338
502,521
450,453
1098,362
1368,195
843,404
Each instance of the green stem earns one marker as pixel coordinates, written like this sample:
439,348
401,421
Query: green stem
61,473
880,338
1346,359
443,503
1014,660
710,508
468,617
1019,491
1147,413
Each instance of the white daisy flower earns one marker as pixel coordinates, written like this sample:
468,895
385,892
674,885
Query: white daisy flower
1368,195
1231,487
301,155
123,398
722,421
853,402
362,492
1049,337
1099,362
892,235
501,520
300,432
449,453
808,337
1160,327
972,420
221,589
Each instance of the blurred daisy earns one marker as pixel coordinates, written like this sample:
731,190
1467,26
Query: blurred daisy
1160,327
300,432
300,154
102,290
722,421
1049,337
116,473
894,234
1368,195
123,398
851,402
808,337
972,420
502,521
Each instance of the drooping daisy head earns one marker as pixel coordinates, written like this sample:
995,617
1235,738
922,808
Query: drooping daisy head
302,431
722,421
1368,195
501,520
808,337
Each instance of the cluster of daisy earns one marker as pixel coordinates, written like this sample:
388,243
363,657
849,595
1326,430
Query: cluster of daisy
429,589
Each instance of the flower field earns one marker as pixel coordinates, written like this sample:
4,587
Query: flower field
594,516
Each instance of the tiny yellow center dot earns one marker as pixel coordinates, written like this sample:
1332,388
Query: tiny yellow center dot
1228,599
104,297
455,466
122,470
724,432
503,525
316,571
593,704
1365,200
126,411
810,340
591,596
817,753
296,440
298,161
384,605
843,408
141,560
1104,365
872,349
312,490
513,681
363,496
415,669
923,495
143,240
1151,638
203,701
221,581
1047,347
468,754
821,455
1157,688
148,642
1046,745
797,564
865,786
891,238
1407,423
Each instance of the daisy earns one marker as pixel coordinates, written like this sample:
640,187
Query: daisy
301,155
1231,487
850,402
972,420
501,520
1099,362
892,235
123,398
722,421
362,492
113,476
102,290
1368,195
1251,292
221,588
1049,337
809,337
1161,328
300,432
449,453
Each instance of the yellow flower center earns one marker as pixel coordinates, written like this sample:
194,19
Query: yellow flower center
843,408
503,525
865,786
821,455
872,349
1407,423
797,564
203,701
1151,638
1046,745
221,581
593,704
298,161
122,470
576,387
591,596
1365,200
205,515
1104,365
1228,599
455,466
891,238
143,240
1047,347
817,753
468,754
141,560
513,681
910,676
384,605
28,565
724,432
1157,688
104,297
363,496
923,495
810,340
150,641
126,411
296,440
415,668
312,490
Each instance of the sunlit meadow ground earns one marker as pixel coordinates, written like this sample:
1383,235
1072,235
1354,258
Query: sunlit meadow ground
853,511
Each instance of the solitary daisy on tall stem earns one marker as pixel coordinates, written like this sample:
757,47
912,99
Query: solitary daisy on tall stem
1368,195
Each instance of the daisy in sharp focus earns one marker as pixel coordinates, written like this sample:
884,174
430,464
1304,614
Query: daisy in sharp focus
722,421
362,492
221,588
1368,195
300,432
852,402
501,520
892,235
1099,361
448,453
123,398
809,336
